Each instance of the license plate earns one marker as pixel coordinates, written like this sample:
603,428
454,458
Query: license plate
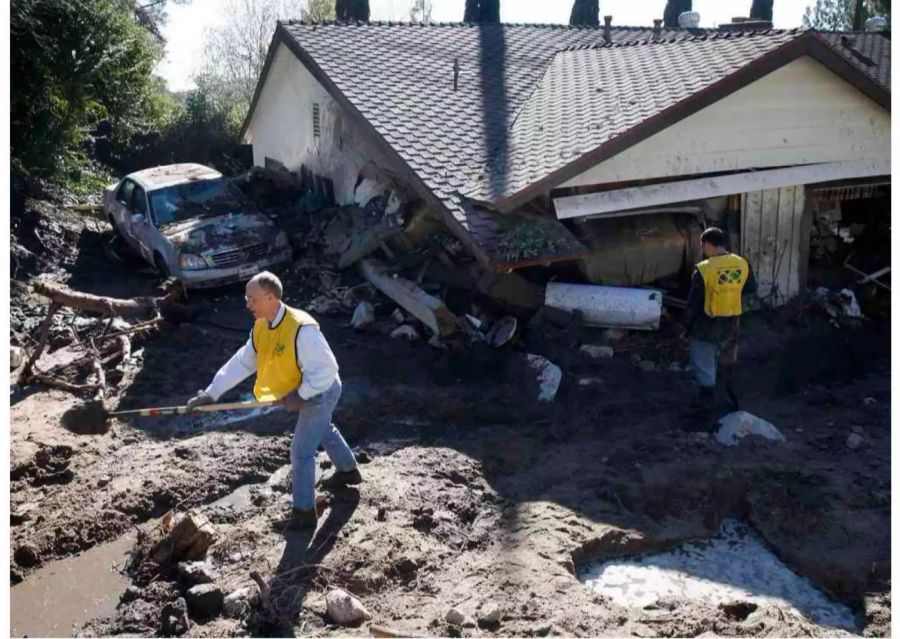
249,271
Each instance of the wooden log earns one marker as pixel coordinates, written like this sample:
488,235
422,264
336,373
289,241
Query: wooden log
265,597
429,310
391,633
42,342
61,295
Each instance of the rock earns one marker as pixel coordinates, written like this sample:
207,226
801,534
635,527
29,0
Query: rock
738,610
315,603
854,441
362,457
454,617
490,614
238,603
398,316
597,352
735,426
405,332
646,365
205,600
188,536
132,593
363,315
502,331
103,481
549,376
16,357
174,618
193,573
27,555
345,609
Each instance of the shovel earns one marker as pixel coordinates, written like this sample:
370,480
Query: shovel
91,417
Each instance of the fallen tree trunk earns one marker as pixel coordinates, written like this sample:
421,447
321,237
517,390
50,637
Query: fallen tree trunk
61,295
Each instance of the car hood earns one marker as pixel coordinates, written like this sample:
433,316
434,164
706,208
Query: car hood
221,233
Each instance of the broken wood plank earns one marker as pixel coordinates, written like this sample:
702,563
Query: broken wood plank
367,242
428,309
391,633
42,342
61,295
60,358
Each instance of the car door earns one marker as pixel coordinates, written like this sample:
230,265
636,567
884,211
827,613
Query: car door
143,230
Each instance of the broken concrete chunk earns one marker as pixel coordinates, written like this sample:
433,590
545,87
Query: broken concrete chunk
205,600
597,352
429,310
345,609
238,603
363,315
854,441
490,614
735,426
188,537
549,376
406,332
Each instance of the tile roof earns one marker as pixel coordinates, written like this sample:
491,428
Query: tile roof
400,77
868,52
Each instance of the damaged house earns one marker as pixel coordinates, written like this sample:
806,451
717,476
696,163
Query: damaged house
600,153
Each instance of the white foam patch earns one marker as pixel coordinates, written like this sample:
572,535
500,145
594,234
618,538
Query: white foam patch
735,565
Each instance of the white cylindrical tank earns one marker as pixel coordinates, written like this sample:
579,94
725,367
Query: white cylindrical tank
614,306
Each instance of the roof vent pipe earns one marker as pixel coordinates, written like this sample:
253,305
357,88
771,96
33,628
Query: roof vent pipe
607,28
689,20
455,73
876,23
657,27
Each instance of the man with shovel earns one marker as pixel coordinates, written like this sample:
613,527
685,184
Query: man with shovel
713,314
293,364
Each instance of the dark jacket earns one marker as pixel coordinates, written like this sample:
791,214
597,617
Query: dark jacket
701,326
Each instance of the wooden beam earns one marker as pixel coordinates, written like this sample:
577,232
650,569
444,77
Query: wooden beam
612,203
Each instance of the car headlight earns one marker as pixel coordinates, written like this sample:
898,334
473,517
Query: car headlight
281,240
191,262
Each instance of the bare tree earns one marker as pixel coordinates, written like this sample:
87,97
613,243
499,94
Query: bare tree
318,10
420,11
236,49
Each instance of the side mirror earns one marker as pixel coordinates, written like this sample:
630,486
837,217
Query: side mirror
138,218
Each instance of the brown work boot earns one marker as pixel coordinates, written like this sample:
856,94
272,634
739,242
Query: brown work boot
341,479
299,520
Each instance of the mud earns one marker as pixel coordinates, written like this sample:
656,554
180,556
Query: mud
474,491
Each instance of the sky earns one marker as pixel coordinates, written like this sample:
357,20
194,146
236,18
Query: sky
188,24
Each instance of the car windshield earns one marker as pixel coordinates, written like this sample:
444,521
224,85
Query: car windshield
194,199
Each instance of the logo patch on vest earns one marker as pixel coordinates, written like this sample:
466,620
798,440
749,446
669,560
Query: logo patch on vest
279,349
729,275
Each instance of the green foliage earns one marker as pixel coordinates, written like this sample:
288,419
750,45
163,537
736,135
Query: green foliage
79,69
837,15
318,10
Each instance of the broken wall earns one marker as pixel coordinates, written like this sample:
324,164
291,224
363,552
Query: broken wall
297,123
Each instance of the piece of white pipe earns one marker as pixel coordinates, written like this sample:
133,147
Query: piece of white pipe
612,306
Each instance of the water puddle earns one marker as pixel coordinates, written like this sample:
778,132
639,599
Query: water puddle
735,565
61,596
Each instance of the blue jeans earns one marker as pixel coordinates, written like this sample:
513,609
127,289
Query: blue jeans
314,427
704,361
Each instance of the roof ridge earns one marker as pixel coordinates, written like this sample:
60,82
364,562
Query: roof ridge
407,23
711,35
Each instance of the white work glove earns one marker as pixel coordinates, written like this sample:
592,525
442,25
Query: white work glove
202,398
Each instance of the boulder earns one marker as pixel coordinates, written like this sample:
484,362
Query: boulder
454,617
363,315
490,614
344,609
549,375
205,600
735,426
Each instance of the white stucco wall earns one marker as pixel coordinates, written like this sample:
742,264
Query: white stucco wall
282,129
801,113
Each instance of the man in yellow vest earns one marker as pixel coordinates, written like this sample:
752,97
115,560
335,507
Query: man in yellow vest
714,308
294,364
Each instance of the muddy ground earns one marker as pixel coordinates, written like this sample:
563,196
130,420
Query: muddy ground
474,492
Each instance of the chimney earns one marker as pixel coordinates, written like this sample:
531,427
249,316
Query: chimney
657,28
746,24
607,28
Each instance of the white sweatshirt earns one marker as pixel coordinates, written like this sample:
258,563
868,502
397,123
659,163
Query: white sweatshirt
320,369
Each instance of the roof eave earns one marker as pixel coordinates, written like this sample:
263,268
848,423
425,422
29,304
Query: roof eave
807,43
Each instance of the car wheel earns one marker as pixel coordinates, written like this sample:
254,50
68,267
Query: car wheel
161,266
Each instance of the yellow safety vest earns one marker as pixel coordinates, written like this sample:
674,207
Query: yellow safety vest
278,370
724,277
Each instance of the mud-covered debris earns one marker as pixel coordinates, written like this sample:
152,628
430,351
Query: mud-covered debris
490,614
854,441
595,351
16,357
454,617
238,604
27,555
406,332
735,426
193,573
205,600
549,375
345,609
363,315
187,537
174,618
738,610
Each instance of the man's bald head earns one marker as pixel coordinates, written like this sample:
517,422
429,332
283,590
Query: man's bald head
267,282
263,294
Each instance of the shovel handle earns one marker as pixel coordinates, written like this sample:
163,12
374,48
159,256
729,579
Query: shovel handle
183,410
